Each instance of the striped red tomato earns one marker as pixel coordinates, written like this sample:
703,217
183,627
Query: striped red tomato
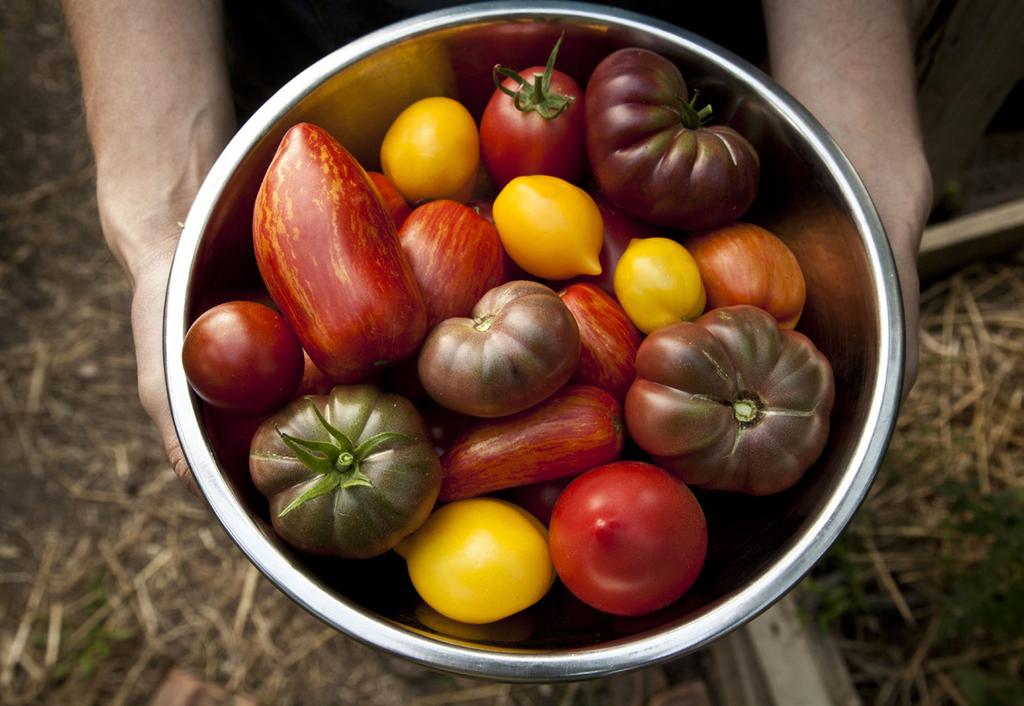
329,254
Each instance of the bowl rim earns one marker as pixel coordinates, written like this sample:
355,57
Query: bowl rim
714,619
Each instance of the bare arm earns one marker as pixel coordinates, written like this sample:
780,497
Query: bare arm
158,110
850,62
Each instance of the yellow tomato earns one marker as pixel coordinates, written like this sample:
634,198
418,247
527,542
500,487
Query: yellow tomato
549,227
657,282
479,560
432,151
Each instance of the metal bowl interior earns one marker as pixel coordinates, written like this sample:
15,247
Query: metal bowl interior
810,196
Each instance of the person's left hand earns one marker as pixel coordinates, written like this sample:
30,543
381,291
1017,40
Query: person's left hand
851,65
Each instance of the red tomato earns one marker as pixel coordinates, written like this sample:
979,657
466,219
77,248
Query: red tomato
746,264
328,252
628,538
455,255
393,200
538,499
242,356
608,340
533,124
231,435
314,380
579,427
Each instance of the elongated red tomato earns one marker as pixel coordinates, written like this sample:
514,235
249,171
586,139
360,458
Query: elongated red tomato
329,254
578,428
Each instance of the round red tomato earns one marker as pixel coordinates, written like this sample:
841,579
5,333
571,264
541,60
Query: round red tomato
242,356
628,538
533,124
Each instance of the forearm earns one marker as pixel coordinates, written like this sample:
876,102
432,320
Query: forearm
158,110
851,64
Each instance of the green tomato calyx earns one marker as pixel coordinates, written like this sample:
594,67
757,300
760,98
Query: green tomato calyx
336,462
690,116
536,96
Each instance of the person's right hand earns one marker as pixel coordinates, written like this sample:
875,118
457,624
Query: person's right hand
158,110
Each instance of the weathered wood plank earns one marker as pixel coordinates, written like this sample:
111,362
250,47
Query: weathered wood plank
777,660
954,243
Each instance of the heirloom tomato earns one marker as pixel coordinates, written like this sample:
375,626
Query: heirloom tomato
314,380
455,255
432,151
242,356
538,499
628,538
348,474
533,124
520,345
329,254
731,401
608,340
549,227
479,560
578,428
657,282
651,153
393,201
745,264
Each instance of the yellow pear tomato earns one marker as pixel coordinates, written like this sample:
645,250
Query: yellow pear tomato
657,282
549,227
432,151
479,560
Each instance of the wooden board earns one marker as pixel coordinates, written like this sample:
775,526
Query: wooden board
950,245
779,660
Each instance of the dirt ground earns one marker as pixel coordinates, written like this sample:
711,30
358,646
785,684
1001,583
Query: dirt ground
110,574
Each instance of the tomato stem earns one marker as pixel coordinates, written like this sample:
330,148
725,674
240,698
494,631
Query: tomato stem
484,322
536,96
747,409
690,116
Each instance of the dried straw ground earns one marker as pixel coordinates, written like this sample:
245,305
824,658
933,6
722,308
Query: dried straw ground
927,583
110,574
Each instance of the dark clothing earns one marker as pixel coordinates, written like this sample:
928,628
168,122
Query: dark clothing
270,42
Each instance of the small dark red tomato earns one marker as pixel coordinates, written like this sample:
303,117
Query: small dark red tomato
314,380
628,538
533,124
539,499
244,357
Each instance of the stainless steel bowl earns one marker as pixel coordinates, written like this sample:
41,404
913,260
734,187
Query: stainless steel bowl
810,196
